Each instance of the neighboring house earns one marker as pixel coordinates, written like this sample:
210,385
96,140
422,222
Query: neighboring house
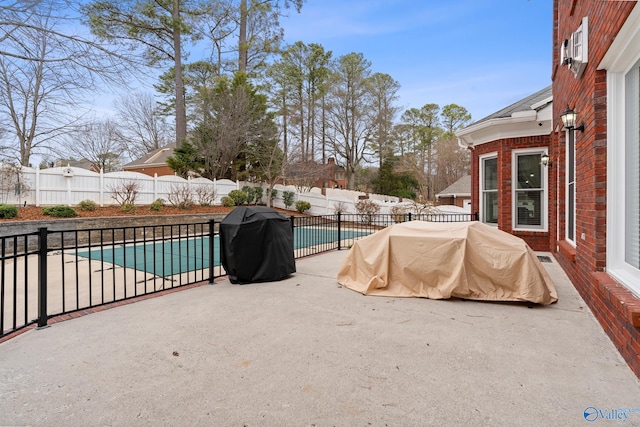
336,175
83,163
509,186
154,162
311,174
588,194
457,194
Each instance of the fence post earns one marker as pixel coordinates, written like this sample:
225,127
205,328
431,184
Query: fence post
101,184
212,233
291,219
409,216
37,179
42,277
339,237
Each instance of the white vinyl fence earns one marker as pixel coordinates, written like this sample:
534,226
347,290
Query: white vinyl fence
70,185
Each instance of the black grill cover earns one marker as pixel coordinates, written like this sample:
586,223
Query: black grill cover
256,245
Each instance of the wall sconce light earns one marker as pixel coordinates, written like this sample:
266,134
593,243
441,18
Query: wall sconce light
565,59
544,160
569,118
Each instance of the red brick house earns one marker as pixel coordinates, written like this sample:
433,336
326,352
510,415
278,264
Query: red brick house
591,181
312,174
336,175
509,186
595,219
154,162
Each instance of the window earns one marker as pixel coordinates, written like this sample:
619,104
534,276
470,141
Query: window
489,189
570,191
632,165
622,63
530,201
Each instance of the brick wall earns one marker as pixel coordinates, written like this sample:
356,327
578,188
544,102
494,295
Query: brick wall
538,240
452,201
614,306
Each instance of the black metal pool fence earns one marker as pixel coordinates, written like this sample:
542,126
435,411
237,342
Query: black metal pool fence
48,273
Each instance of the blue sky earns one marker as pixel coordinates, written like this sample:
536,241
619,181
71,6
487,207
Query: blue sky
480,54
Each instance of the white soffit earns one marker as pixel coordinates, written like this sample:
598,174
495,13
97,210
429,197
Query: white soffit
520,124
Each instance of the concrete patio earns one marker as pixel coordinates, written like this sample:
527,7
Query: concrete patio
306,351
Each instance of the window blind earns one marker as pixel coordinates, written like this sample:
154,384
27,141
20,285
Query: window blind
632,167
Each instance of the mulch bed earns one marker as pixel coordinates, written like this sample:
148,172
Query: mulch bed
34,213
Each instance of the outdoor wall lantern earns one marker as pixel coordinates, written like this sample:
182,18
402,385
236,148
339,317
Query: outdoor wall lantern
544,160
569,118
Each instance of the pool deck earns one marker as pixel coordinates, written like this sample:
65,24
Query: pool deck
307,351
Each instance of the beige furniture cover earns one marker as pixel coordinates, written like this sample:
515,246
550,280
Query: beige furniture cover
469,260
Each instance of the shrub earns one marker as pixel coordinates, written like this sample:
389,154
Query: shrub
366,209
157,205
206,195
181,196
287,198
12,181
60,211
228,202
87,205
250,192
128,208
239,197
125,192
339,207
398,213
273,195
8,211
258,193
302,206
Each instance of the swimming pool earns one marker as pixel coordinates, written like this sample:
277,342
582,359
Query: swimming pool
175,256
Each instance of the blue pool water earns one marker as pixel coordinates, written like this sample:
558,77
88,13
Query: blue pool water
173,257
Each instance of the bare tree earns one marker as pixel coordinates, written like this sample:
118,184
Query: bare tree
20,16
12,182
424,126
35,94
141,128
45,71
347,112
98,142
451,163
384,94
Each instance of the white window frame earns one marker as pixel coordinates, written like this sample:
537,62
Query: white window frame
481,191
622,56
570,136
544,213
580,48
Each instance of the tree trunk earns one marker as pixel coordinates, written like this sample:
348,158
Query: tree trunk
324,134
243,48
181,113
285,140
